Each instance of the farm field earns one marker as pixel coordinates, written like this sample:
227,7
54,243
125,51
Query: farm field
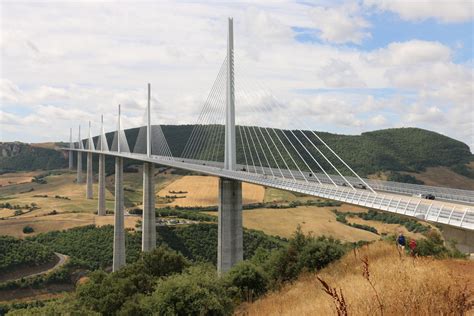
41,224
17,178
203,191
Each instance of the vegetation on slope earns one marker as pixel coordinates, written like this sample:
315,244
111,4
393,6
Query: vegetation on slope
163,282
15,253
21,157
375,279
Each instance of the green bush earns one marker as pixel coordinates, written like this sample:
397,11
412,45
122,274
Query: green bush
28,229
198,291
250,280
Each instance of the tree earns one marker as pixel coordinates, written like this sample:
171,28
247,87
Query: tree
197,291
250,280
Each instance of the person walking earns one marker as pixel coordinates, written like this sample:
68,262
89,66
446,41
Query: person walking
401,241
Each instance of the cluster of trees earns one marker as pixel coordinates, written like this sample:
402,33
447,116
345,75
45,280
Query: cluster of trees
405,178
341,217
410,224
164,282
16,253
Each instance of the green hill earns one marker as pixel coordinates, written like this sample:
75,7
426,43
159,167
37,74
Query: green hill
397,149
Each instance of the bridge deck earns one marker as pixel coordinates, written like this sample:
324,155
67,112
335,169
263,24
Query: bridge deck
450,213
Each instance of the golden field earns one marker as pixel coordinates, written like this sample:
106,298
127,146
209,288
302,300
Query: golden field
203,191
424,286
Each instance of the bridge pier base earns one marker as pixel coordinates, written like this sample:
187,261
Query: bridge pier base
119,226
463,238
101,210
230,234
90,177
148,216
79,167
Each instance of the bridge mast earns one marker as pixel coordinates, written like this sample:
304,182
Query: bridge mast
230,233
230,149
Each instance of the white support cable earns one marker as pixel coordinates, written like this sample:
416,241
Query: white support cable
279,153
267,108
215,118
256,151
202,122
314,159
264,155
279,105
251,156
193,132
274,159
340,174
293,160
218,123
243,147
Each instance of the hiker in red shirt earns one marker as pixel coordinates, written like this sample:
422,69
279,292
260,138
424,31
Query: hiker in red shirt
412,246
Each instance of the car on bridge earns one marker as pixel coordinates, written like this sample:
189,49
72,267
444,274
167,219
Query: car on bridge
360,186
427,196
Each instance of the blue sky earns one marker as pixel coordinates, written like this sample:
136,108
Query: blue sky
343,66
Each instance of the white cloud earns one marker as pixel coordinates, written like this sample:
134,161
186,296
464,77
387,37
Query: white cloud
341,24
74,61
452,11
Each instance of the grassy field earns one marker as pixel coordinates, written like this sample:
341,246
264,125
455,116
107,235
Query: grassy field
404,286
203,191
17,178
41,224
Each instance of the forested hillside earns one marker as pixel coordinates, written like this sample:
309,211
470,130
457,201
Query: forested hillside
398,149
18,156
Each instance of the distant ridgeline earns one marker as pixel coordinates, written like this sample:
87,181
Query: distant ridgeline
398,149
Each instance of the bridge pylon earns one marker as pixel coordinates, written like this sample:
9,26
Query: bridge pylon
79,158
101,208
230,234
70,153
148,213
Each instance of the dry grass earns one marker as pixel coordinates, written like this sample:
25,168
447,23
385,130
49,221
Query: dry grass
443,176
404,286
203,191
41,224
17,178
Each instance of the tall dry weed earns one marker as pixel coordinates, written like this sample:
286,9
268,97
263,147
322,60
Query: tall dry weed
396,284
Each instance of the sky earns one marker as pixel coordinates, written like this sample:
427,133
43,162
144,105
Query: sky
336,66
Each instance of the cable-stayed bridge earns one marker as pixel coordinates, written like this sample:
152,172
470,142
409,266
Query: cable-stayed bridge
246,148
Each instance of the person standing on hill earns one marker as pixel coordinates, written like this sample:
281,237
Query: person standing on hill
412,246
401,241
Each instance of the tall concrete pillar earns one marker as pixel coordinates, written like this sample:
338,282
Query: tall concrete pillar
70,153
101,210
230,234
119,227
71,160
79,167
148,217
90,177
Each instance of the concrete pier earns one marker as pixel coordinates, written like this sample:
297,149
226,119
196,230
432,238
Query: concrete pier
148,217
463,238
101,209
230,234
79,167
119,227
71,160
89,178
